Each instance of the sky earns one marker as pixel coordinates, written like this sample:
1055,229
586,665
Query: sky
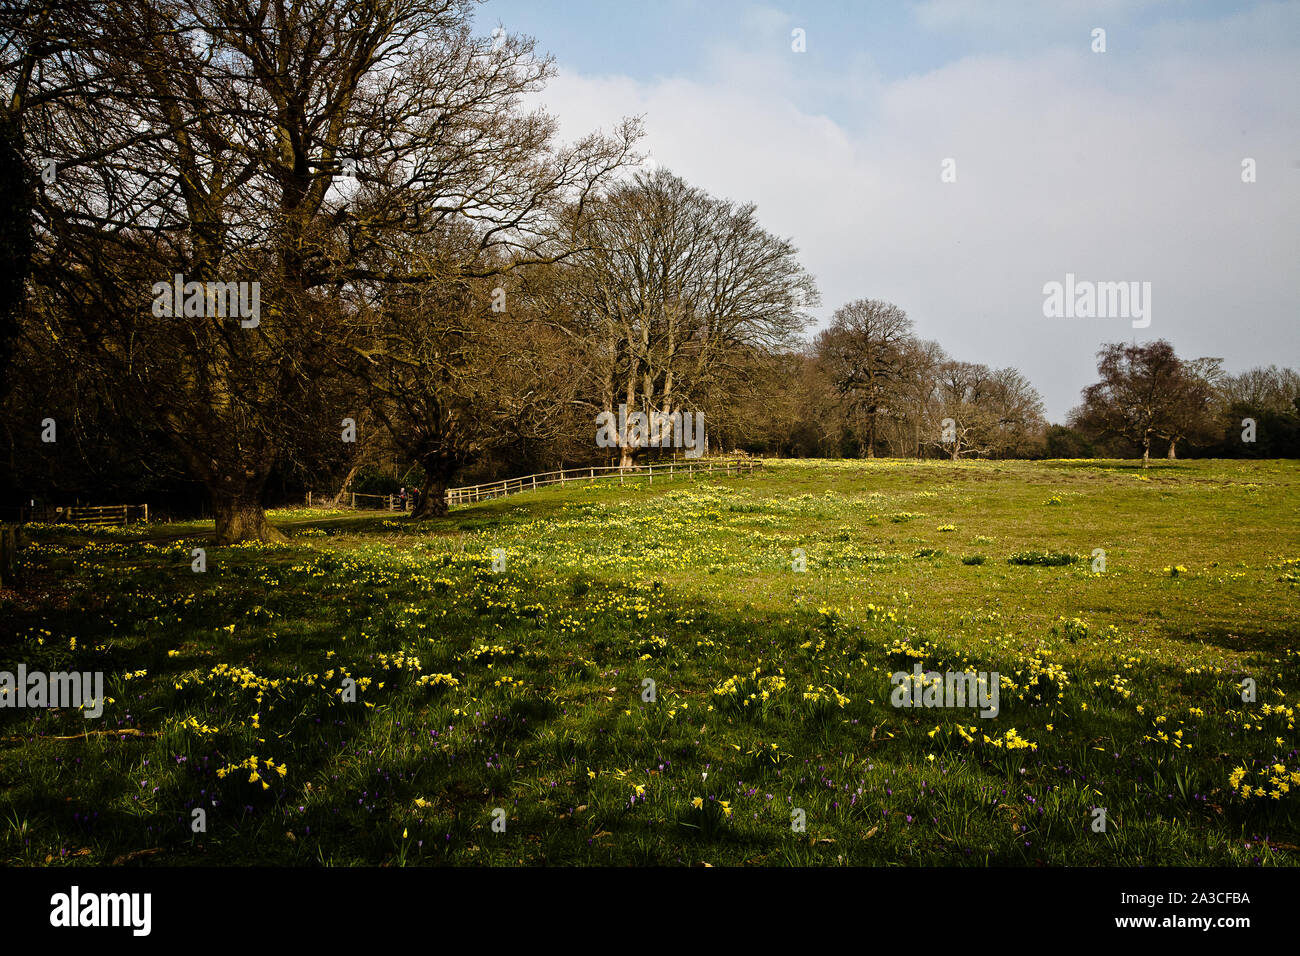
954,157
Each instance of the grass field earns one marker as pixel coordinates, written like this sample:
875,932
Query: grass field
523,690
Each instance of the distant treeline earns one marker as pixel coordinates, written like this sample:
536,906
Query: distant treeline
248,253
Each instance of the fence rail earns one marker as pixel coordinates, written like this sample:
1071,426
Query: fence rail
97,515
688,469
384,502
468,494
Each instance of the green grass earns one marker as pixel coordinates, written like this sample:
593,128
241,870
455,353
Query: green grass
1120,688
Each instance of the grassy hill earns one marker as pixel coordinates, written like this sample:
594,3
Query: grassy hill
524,690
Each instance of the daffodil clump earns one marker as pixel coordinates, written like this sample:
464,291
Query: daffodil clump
901,648
1011,740
819,699
1038,680
741,693
1164,734
1273,782
1072,629
193,723
880,614
487,654
255,766
437,680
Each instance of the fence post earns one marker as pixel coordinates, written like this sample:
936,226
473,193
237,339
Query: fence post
354,501
8,552
146,512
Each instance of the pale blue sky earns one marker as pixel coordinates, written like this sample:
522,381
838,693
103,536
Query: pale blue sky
1115,166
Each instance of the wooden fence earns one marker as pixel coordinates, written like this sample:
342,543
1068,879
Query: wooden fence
98,515
382,502
468,494
10,541
689,469
358,501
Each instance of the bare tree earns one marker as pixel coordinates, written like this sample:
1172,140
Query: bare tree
912,414
1020,428
865,351
1139,396
1191,415
1263,389
674,292
301,148
967,418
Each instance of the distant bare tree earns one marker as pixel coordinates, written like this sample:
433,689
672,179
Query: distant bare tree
1143,393
675,293
1021,427
967,418
1192,415
1264,389
912,418
864,351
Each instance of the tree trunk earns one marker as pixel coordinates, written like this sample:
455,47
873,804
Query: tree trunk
240,517
1146,451
433,498
628,458
347,483
1172,454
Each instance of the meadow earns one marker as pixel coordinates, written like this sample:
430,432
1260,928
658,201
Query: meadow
648,678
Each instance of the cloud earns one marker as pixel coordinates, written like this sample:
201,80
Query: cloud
1113,167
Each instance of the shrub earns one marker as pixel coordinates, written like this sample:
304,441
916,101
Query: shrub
1043,558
